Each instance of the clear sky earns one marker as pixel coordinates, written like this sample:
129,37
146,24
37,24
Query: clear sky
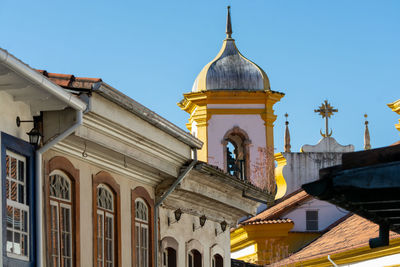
347,52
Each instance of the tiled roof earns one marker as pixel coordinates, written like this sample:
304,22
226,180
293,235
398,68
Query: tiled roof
396,143
352,233
285,204
268,222
70,81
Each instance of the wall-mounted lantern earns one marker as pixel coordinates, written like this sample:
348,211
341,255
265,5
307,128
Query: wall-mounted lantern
34,135
177,215
223,225
202,221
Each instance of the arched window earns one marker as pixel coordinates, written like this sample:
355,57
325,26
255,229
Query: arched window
169,246
60,192
236,153
105,226
169,257
106,218
62,212
194,258
141,233
217,261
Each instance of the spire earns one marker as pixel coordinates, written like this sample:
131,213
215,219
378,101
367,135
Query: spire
287,135
367,141
228,24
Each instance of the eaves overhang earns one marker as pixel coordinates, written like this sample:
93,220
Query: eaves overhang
367,183
245,186
146,114
27,85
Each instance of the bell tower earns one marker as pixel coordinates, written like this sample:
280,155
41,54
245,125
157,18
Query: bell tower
231,111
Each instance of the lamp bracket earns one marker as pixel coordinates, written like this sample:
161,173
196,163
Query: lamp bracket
19,121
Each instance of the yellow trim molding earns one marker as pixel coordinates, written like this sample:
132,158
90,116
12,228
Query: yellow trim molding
195,103
280,180
353,255
395,106
261,236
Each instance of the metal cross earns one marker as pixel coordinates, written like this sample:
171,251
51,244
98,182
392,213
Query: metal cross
326,111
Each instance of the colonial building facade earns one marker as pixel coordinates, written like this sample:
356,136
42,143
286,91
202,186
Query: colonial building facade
104,181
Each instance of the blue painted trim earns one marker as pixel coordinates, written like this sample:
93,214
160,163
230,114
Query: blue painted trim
21,147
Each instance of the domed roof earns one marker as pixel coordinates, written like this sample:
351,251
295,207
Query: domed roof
230,70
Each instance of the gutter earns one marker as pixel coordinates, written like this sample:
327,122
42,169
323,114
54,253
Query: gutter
161,200
36,78
26,72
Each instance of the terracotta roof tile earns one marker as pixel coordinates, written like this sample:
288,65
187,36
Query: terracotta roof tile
395,143
70,81
352,233
285,204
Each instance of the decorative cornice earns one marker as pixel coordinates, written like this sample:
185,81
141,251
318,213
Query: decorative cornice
395,106
131,139
110,164
146,114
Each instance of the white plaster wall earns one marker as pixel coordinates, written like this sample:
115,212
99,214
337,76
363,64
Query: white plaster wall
327,214
218,125
302,168
182,232
9,111
117,114
194,128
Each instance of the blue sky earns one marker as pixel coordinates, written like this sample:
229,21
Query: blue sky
345,51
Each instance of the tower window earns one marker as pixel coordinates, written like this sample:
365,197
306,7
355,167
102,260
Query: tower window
235,161
236,148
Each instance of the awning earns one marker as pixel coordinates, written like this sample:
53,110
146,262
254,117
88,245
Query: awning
367,183
27,85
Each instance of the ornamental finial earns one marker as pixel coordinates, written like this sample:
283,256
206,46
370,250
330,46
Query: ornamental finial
367,139
287,135
228,24
326,111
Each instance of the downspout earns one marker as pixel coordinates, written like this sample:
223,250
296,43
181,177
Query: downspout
383,239
39,184
163,197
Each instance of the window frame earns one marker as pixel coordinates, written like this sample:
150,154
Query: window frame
309,220
142,225
24,149
105,178
246,142
141,193
106,214
61,165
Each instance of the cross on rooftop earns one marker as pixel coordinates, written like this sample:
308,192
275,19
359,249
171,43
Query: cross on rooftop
326,111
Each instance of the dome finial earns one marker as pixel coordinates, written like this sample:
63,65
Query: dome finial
229,24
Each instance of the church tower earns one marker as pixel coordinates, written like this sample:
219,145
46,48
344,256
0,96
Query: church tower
231,111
